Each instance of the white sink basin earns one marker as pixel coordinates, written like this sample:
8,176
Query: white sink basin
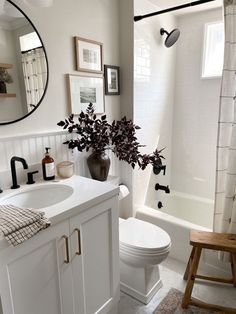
39,196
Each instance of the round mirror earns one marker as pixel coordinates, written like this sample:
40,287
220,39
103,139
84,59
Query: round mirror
23,65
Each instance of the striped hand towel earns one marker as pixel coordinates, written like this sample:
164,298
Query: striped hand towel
20,224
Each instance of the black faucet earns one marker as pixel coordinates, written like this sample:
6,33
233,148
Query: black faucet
13,170
162,187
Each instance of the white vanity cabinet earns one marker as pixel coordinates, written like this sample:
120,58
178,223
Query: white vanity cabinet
95,250
70,268
34,277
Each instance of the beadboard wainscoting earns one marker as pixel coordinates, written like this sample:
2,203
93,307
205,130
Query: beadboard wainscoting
32,148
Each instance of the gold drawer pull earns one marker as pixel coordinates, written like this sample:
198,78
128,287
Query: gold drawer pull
79,242
67,255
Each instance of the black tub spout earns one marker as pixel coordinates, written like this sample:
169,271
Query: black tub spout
162,187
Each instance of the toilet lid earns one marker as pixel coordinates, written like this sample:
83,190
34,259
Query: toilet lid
142,235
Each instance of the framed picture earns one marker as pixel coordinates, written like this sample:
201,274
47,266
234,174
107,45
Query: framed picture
84,90
88,55
112,80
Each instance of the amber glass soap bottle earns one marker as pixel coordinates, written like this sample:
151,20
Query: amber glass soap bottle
48,166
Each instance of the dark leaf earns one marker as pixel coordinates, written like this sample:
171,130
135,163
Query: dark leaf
61,123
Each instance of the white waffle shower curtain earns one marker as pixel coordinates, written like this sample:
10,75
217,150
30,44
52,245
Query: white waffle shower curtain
225,197
35,75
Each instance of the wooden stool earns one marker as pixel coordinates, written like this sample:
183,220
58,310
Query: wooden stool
213,241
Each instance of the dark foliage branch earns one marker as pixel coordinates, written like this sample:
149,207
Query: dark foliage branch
98,135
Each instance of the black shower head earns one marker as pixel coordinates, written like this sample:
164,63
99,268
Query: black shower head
171,38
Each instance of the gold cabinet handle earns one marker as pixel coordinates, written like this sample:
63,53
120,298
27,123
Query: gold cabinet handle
67,254
79,242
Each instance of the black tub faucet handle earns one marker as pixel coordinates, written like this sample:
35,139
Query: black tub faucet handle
158,168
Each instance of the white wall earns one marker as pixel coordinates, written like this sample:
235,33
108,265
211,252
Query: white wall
153,94
57,25
98,20
195,111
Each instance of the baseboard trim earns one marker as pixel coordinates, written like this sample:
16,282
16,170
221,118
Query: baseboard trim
138,295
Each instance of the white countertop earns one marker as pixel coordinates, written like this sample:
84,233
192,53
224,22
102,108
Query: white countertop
86,193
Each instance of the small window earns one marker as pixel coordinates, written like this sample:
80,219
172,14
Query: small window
213,53
29,41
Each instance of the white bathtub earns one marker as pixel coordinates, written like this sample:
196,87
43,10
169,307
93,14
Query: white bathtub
180,213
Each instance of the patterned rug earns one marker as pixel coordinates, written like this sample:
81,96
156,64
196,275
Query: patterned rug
171,304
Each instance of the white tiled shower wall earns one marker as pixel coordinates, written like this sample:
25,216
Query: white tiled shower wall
174,106
154,74
32,147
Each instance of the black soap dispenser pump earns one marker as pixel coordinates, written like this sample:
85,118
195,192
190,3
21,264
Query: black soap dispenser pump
48,166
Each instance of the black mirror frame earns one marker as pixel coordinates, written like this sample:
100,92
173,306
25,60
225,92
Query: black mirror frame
46,85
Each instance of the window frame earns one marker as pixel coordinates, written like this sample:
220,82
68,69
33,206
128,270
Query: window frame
206,25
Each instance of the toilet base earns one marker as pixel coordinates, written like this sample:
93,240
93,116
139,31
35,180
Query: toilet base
140,283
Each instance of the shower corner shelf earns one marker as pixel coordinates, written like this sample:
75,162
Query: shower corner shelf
5,65
7,95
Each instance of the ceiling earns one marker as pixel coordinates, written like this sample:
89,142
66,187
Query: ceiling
164,4
10,17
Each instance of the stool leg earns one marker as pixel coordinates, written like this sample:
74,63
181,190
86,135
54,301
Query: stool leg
191,278
233,266
189,264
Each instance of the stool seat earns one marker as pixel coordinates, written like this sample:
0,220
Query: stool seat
214,241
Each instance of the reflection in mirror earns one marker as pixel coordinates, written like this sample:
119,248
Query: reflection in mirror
23,65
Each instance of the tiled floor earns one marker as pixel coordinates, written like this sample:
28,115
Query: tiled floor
172,273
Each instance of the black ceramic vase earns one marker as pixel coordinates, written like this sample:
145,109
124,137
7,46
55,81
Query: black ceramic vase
99,165
3,88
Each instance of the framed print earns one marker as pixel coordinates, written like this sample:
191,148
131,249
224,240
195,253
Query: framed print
88,55
84,90
112,80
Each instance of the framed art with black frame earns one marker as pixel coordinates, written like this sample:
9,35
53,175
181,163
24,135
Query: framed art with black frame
112,79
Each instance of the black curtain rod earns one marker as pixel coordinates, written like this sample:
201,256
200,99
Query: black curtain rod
182,6
26,51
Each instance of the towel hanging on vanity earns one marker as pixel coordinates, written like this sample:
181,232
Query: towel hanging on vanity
20,224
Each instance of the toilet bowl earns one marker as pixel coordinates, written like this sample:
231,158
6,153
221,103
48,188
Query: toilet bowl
143,246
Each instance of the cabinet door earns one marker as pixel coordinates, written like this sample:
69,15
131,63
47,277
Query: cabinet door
96,265
34,278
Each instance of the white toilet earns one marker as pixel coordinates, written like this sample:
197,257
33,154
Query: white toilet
143,246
